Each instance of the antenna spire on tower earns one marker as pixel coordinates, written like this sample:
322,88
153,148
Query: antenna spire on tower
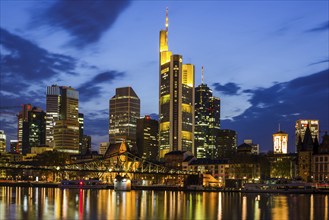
279,127
167,19
202,76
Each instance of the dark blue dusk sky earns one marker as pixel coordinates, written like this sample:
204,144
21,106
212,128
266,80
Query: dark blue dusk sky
266,60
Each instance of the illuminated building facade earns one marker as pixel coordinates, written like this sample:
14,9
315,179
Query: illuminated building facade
21,118
34,130
280,143
2,141
86,145
124,110
53,101
176,100
301,126
147,138
66,127
81,126
14,146
207,121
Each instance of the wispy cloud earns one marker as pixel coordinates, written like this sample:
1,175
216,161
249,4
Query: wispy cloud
319,28
84,20
304,97
227,89
92,88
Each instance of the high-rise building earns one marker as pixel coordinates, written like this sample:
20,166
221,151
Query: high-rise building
81,127
280,142
62,118
301,126
103,146
22,117
86,145
14,146
226,144
176,100
124,110
34,130
147,138
2,141
207,120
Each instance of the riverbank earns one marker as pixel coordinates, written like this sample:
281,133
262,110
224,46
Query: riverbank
171,188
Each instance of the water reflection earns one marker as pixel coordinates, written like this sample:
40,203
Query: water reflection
49,203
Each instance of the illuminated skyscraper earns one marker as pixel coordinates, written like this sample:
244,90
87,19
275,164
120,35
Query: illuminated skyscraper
124,110
62,106
81,128
147,138
280,142
207,121
176,100
301,126
22,117
2,141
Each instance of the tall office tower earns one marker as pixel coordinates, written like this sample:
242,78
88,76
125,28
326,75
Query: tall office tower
2,141
14,146
53,102
81,127
207,121
280,142
34,130
86,145
124,110
21,118
227,142
176,100
65,124
301,126
147,138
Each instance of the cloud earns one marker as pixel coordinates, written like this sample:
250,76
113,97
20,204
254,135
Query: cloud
319,62
321,27
84,20
91,89
25,61
284,103
227,89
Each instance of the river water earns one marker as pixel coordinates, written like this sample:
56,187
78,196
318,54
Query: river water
54,203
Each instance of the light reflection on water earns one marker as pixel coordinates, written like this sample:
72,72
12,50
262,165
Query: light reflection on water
49,203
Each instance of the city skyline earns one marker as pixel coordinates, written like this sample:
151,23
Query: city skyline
37,54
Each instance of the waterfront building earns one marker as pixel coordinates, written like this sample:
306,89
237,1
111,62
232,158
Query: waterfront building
320,161
280,142
2,141
147,138
282,165
81,128
62,118
207,121
300,129
178,159
227,143
306,148
124,110
176,100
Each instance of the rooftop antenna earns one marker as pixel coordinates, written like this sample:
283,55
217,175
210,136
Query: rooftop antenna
279,127
202,76
167,19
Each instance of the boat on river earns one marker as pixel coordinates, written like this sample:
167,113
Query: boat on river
82,184
122,183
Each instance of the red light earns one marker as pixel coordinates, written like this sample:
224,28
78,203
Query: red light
81,183
148,117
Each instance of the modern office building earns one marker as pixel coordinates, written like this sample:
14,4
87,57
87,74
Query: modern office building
301,126
147,138
22,117
207,120
81,127
14,146
2,141
124,110
86,145
176,100
62,125
34,130
226,144
280,142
